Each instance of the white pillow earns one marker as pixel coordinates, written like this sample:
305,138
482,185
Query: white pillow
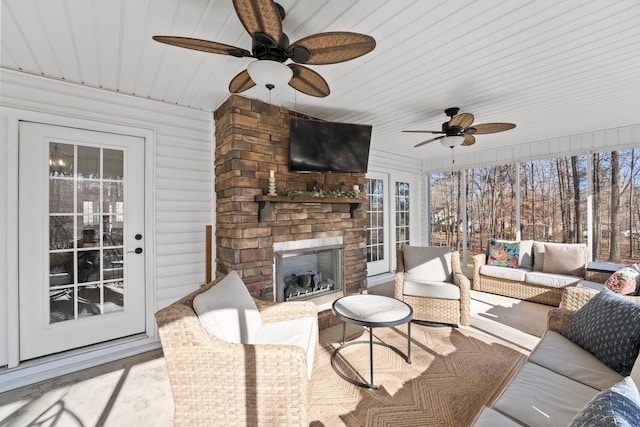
228,311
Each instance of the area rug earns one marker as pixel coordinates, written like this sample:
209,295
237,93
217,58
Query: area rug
454,372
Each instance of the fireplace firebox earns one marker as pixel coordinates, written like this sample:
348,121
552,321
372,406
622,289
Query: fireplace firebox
307,269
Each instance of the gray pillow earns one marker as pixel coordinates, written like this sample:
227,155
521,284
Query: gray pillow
617,406
607,326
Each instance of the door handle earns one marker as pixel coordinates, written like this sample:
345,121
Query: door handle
136,250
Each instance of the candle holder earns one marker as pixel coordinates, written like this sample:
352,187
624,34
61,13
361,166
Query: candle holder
272,186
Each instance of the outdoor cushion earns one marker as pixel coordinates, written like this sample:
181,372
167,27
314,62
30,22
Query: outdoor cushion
618,406
568,259
503,254
624,281
609,327
515,274
228,311
301,332
561,355
427,263
537,396
440,290
489,417
551,280
525,257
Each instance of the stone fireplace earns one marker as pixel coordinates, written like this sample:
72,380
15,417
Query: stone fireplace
252,139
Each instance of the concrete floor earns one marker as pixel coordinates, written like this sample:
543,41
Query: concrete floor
136,391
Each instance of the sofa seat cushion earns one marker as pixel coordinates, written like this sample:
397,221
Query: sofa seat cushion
608,326
537,396
560,355
551,280
489,417
439,290
515,274
228,311
618,406
301,332
427,263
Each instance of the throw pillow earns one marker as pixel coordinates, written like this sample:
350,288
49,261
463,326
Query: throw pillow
228,311
503,254
617,406
624,281
607,326
568,259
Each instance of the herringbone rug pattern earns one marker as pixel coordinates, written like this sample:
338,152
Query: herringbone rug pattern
454,372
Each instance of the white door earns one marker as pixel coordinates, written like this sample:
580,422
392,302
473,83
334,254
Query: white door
378,253
81,228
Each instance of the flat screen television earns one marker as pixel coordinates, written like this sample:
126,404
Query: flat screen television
318,146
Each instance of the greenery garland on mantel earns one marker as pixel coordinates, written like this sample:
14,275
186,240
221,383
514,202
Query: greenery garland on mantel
318,193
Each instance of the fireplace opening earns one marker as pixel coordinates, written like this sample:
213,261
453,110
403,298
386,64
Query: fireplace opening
305,273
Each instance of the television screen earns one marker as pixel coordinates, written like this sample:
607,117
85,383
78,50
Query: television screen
317,146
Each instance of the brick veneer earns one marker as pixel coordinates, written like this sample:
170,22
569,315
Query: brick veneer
252,138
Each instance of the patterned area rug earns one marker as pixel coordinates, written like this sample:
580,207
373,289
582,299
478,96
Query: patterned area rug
454,372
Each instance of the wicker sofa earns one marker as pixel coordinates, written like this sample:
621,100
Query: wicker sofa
558,381
217,381
543,271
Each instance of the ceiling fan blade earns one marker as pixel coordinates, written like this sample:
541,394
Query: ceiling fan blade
428,141
203,45
463,120
468,140
308,81
424,131
260,18
493,128
331,47
241,82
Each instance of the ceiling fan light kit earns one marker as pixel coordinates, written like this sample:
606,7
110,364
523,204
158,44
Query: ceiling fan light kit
270,74
452,141
262,19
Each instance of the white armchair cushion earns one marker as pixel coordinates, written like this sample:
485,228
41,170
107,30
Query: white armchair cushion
228,311
439,290
427,264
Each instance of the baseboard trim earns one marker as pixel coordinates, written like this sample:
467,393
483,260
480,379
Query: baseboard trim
48,367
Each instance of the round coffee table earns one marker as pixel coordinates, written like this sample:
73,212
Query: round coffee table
371,311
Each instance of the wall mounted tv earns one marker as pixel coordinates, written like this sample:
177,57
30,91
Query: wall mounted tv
318,146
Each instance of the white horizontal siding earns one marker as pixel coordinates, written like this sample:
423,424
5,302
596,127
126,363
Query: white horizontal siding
182,177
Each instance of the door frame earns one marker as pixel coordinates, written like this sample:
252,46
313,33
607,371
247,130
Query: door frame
73,360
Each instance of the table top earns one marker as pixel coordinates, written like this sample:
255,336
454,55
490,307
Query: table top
604,267
372,310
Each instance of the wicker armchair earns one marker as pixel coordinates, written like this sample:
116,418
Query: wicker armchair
434,299
215,382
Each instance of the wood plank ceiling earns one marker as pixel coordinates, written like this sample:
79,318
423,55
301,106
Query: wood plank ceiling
555,68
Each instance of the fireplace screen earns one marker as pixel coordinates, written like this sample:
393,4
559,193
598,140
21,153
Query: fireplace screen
307,273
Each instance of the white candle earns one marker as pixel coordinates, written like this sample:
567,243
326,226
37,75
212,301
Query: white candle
271,175
356,188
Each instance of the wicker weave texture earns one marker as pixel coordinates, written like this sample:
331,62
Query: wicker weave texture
215,382
457,312
575,297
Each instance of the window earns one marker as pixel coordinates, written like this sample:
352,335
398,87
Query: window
402,214
375,219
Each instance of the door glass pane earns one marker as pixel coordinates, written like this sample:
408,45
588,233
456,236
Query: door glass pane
86,219
88,162
375,217
402,214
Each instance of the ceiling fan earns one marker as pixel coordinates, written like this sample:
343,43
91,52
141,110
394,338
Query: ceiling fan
459,130
263,21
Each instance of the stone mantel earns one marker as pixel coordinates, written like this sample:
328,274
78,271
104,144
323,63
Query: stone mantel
265,200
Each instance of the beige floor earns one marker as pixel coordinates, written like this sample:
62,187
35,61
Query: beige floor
136,392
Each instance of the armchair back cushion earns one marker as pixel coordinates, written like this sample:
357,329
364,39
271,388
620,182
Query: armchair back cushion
427,264
228,311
